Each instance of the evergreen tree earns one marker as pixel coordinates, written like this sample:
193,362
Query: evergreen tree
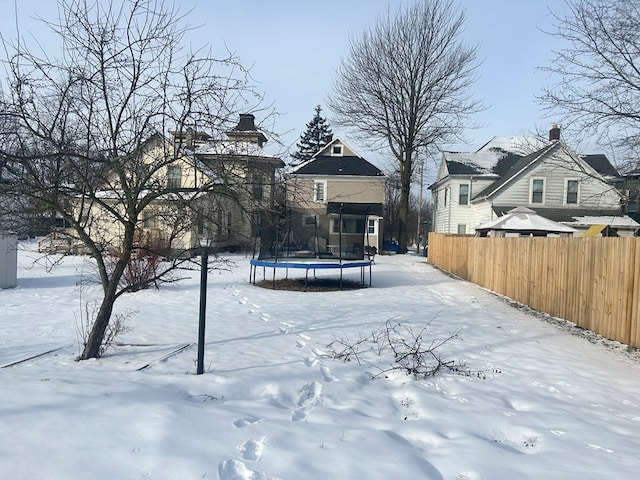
314,138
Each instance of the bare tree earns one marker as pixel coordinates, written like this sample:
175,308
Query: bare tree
86,132
595,78
406,83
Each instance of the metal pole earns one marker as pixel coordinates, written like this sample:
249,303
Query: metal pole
203,308
420,206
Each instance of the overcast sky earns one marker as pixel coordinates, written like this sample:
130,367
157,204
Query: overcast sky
294,47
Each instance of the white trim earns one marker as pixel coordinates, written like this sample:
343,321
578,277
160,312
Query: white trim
324,191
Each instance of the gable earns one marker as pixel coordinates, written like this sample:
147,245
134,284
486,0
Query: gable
336,147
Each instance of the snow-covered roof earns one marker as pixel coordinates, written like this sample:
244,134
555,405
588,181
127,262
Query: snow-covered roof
475,162
621,221
232,147
525,219
517,145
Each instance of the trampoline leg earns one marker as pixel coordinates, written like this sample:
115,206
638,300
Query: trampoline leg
340,278
306,278
273,281
369,274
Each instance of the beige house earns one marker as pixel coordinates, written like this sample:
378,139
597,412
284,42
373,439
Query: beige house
218,192
335,201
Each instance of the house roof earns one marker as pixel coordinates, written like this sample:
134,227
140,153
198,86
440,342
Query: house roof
600,163
323,163
231,147
494,158
505,157
478,163
327,165
520,146
596,230
520,164
522,219
600,218
579,217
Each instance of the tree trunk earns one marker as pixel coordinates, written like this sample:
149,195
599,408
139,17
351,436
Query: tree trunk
403,214
100,324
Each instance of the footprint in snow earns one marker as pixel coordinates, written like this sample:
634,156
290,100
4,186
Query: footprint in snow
309,398
245,422
243,300
265,317
284,327
300,343
326,374
319,353
236,470
252,449
310,361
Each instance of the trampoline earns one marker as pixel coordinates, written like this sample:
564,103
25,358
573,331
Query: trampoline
333,240
308,264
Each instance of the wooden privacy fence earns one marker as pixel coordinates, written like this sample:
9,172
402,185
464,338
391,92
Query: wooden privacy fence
593,282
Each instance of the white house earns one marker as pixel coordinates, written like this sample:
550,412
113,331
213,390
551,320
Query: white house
508,172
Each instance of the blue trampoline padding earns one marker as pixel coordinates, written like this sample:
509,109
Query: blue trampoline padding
309,265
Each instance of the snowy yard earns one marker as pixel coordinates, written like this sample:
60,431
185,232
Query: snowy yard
273,405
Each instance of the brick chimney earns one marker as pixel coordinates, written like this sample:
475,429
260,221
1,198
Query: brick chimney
554,133
246,123
246,131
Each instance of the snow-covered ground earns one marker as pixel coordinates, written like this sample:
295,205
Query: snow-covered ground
273,405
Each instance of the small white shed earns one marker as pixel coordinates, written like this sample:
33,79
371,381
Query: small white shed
8,260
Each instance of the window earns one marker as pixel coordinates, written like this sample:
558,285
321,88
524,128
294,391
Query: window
446,196
319,191
462,229
371,227
349,225
309,221
257,187
572,192
219,223
229,218
174,177
149,219
337,150
537,190
464,195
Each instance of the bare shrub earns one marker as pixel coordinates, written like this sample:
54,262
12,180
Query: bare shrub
140,272
411,352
